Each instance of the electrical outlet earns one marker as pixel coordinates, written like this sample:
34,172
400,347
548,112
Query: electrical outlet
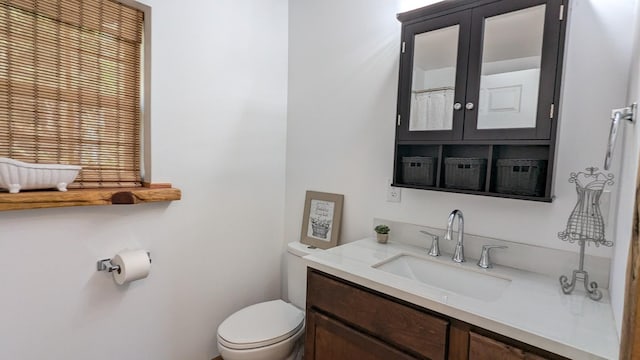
393,194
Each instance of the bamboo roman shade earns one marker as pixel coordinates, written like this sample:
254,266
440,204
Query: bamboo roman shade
70,87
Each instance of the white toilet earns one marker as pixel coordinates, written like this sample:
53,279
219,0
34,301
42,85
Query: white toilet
271,330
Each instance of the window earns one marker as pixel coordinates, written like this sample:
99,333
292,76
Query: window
70,87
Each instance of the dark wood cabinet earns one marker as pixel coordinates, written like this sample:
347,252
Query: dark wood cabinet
348,321
408,329
485,348
337,341
479,78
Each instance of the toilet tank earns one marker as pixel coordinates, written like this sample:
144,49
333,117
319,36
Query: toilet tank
297,273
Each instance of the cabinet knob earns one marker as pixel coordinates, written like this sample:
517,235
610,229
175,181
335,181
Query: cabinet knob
457,106
469,106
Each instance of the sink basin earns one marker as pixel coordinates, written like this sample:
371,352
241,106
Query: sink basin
450,277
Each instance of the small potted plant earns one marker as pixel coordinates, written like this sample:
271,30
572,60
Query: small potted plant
382,233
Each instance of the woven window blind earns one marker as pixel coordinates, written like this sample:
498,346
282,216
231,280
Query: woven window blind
70,87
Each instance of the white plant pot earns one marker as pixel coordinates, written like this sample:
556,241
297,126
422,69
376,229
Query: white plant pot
382,238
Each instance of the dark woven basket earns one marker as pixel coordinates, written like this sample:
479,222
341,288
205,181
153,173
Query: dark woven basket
465,173
418,170
521,176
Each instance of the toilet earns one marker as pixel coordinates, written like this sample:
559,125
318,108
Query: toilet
271,330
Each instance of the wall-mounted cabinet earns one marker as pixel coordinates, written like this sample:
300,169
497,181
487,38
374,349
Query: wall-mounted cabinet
478,93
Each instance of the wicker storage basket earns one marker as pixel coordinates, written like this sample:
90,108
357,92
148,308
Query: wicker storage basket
465,173
418,170
521,176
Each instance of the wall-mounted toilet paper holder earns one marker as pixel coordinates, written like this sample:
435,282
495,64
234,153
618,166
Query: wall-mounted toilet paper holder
106,265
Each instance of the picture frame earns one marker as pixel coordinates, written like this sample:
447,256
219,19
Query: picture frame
321,219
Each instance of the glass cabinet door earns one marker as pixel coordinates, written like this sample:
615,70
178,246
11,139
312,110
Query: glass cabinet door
511,78
433,78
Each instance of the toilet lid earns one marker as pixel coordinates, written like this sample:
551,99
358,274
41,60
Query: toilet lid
260,325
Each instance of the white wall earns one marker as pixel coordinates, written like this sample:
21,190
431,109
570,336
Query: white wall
341,118
218,131
628,153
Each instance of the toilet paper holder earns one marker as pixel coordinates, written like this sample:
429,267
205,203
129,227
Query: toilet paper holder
106,265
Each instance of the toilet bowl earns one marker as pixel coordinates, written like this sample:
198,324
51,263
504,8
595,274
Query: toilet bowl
271,330
266,331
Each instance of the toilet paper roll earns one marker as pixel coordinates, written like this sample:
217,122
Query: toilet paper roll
134,265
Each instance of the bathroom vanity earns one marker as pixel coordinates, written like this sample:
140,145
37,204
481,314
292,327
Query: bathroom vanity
347,321
363,303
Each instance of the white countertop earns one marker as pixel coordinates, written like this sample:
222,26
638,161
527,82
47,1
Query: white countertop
532,309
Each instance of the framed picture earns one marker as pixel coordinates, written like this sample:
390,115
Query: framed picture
321,219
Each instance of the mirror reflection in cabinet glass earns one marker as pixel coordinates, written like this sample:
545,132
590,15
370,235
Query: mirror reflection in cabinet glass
434,78
510,77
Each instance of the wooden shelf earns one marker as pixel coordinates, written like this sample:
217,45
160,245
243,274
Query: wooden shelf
86,197
474,142
473,192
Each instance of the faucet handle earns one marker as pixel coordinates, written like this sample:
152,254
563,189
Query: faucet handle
485,260
435,243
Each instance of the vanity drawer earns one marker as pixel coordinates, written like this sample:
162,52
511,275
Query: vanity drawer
405,327
485,348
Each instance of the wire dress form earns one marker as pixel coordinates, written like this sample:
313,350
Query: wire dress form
586,225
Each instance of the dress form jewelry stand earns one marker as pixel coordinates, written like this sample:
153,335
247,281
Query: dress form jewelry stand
586,225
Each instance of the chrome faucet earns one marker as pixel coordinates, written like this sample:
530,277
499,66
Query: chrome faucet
458,254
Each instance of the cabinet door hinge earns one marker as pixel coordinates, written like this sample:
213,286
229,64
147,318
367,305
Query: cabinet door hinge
561,12
398,119
403,46
551,110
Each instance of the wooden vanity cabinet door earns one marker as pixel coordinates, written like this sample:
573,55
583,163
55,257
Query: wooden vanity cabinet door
401,326
328,339
484,348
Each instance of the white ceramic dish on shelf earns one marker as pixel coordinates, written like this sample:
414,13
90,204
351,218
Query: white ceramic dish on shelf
17,175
